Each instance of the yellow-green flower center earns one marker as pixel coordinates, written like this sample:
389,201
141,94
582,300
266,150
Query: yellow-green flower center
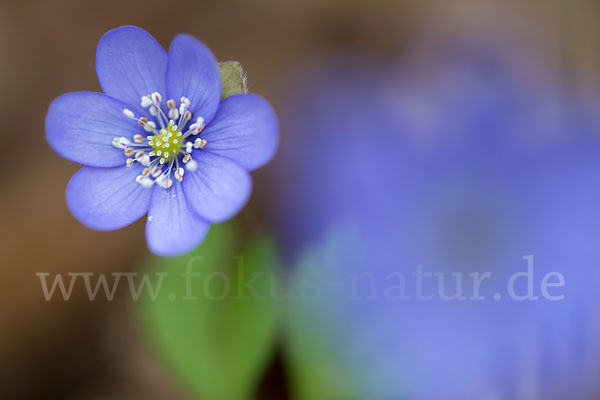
167,143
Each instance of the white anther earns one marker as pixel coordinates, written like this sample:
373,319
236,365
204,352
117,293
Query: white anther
200,143
130,162
139,153
156,97
192,165
129,151
144,181
146,101
182,108
138,138
150,126
186,158
144,160
171,103
181,171
143,121
173,113
116,143
187,116
120,143
154,111
164,181
185,101
188,147
155,171
146,171
178,176
197,126
128,113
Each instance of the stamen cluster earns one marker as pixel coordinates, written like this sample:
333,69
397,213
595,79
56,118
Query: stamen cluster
169,148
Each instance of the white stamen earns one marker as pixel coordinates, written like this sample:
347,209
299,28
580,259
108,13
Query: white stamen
150,126
200,143
128,113
146,182
144,160
138,138
192,165
129,162
155,171
156,97
146,101
188,147
173,113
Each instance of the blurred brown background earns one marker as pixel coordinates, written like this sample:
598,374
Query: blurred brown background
90,350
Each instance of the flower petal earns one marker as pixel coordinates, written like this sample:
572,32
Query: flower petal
192,71
218,188
80,126
173,228
107,198
245,129
130,63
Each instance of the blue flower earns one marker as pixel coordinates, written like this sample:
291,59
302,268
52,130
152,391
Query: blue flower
160,140
464,168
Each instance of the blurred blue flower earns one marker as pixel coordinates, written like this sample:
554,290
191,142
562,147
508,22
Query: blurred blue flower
460,165
145,155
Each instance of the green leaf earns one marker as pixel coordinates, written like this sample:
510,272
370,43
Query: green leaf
233,79
215,334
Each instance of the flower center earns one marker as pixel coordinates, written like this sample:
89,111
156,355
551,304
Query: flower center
167,144
170,148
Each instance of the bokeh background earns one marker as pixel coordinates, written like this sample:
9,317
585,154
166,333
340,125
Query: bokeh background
461,135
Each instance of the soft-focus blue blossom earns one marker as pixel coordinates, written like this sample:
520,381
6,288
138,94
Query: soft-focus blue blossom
460,165
182,158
